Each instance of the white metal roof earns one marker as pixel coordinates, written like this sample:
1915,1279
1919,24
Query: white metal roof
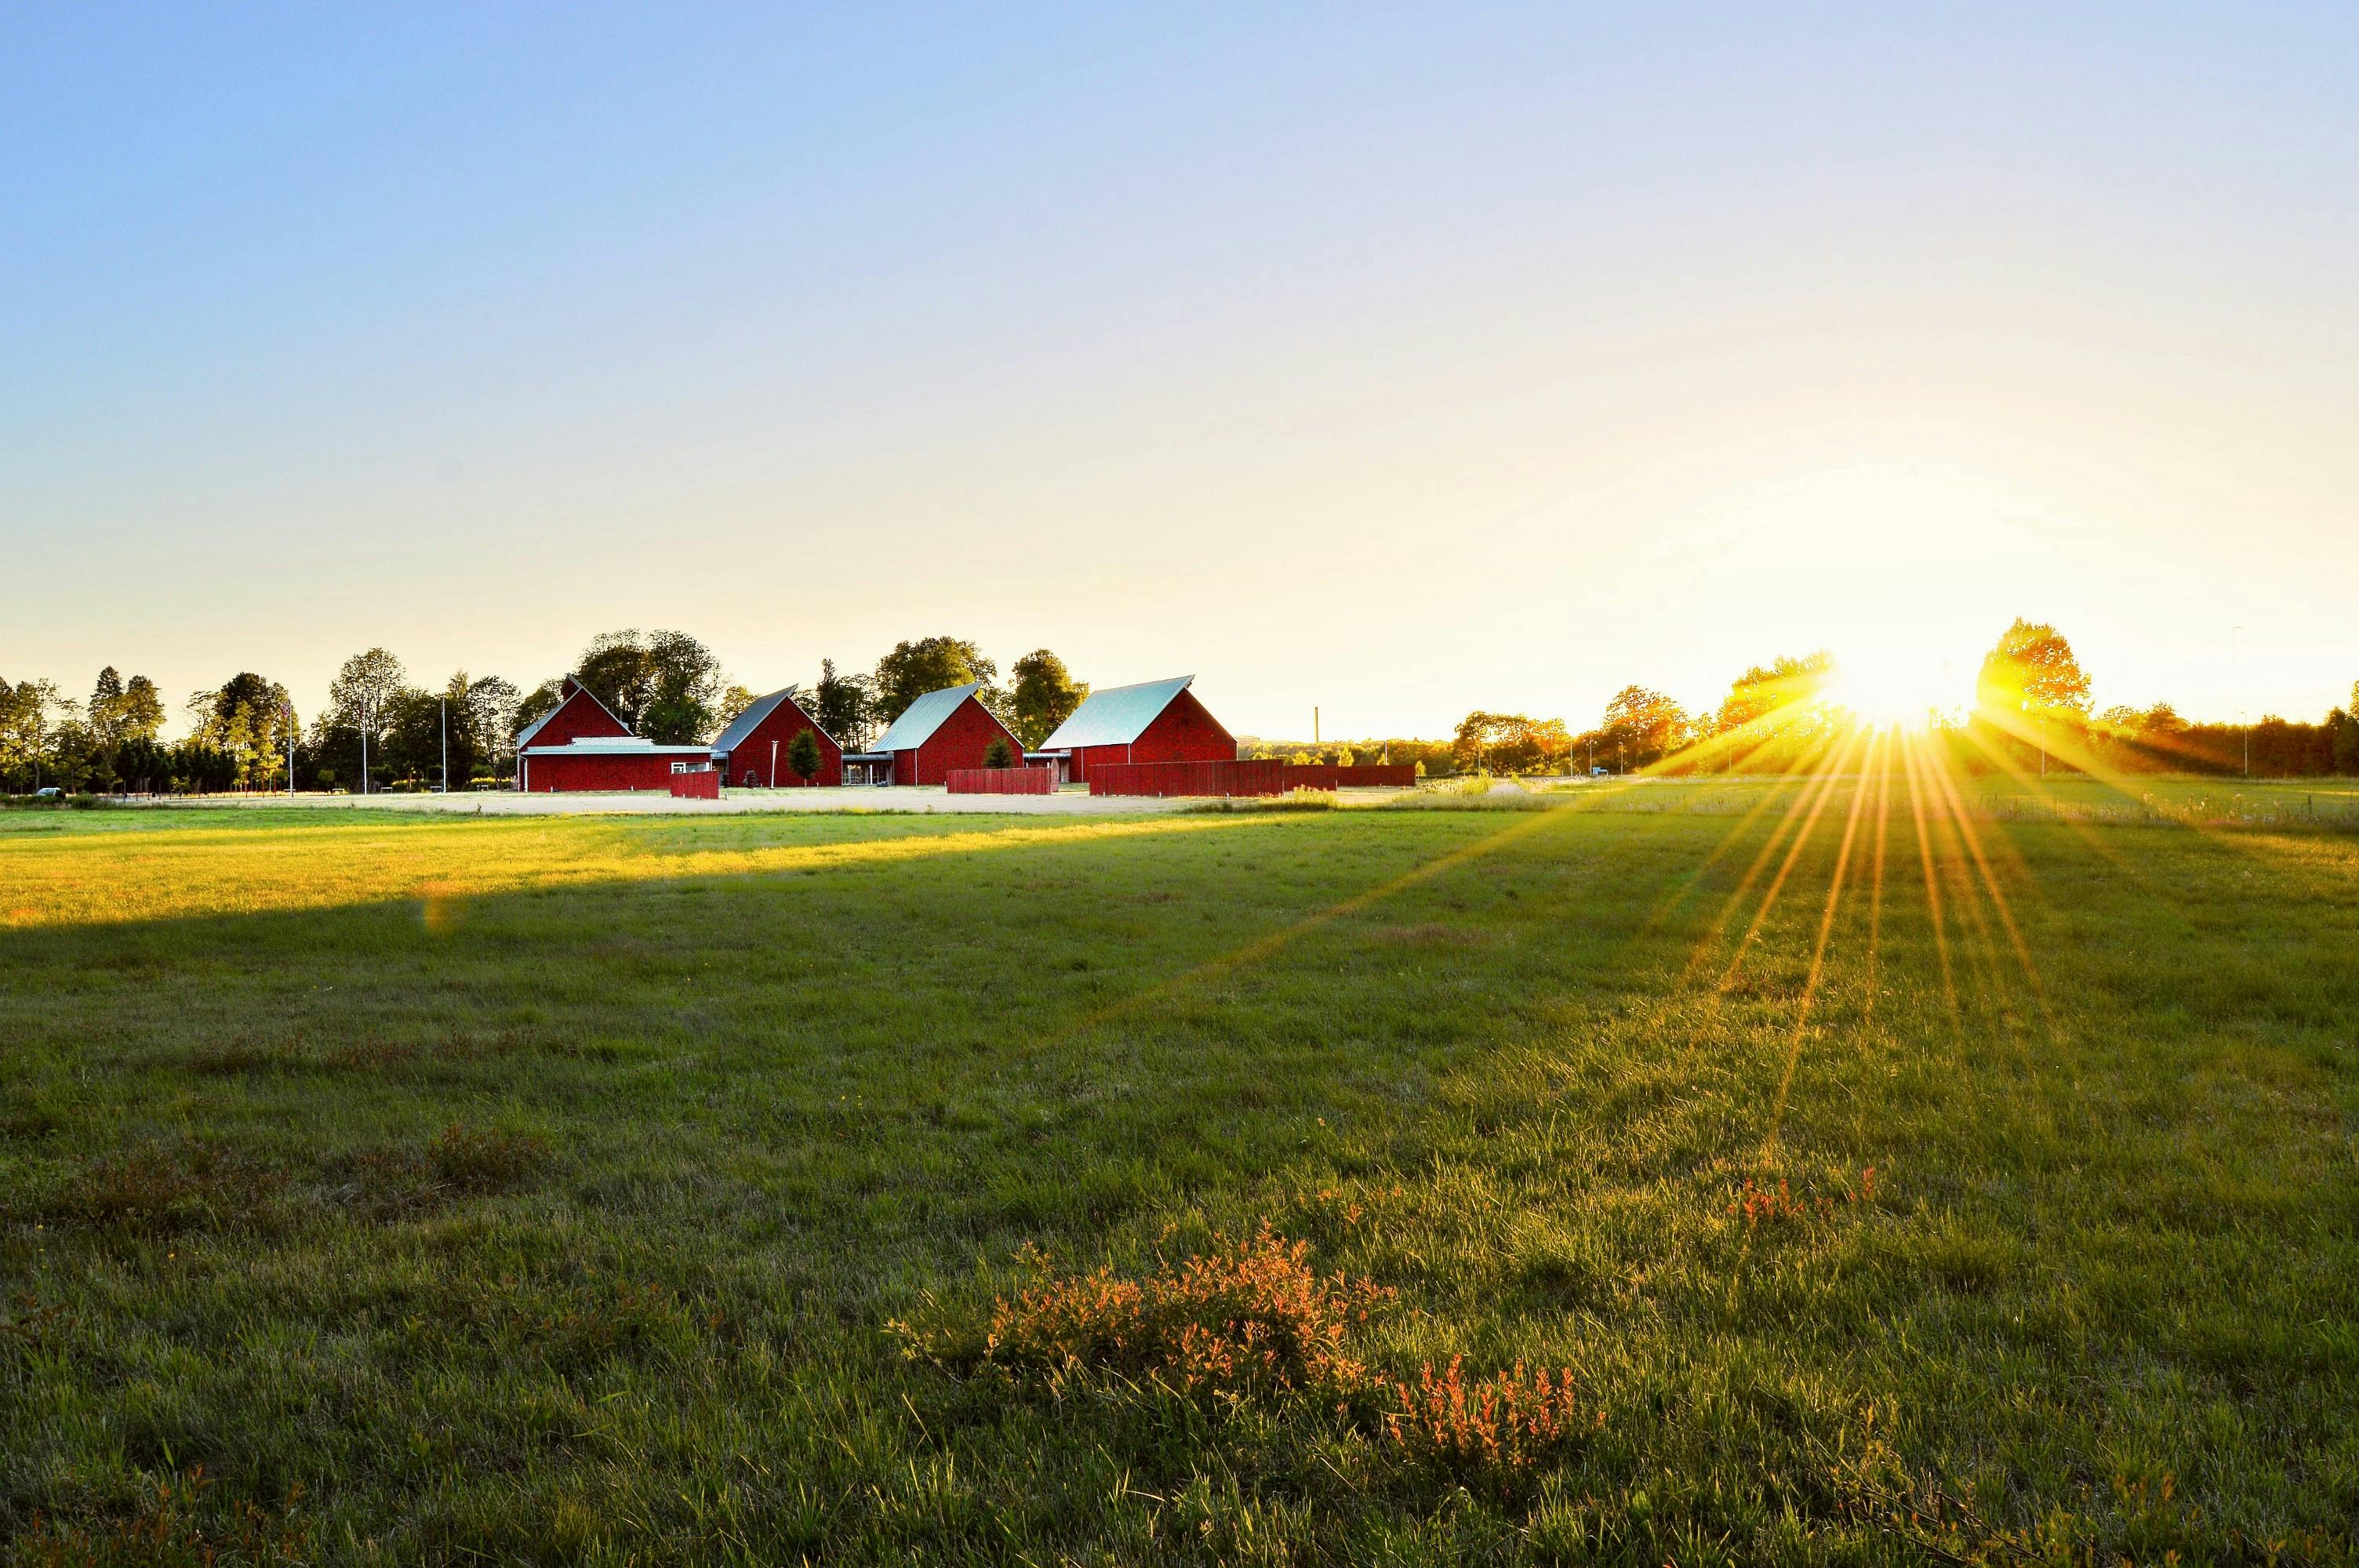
923,717
1118,715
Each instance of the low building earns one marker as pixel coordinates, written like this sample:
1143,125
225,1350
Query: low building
606,762
1154,721
751,752
938,731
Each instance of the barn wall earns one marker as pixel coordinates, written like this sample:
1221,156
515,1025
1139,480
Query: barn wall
750,762
577,716
611,772
959,743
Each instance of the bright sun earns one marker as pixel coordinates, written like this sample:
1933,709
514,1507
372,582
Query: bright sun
1892,690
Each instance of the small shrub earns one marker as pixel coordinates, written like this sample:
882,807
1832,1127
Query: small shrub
1760,1205
998,754
1252,1320
1251,1313
1493,1429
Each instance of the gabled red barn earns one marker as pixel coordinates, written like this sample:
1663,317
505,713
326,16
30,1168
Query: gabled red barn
938,731
753,750
579,744
1154,721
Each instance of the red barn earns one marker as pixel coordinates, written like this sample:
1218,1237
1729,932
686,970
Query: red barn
940,730
753,750
1155,721
578,713
607,761
580,745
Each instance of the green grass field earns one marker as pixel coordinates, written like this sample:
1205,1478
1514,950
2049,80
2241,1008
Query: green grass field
378,1188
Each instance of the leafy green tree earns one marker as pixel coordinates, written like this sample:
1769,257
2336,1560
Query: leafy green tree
491,708
929,664
803,757
1044,695
845,707
139,712
997,754
363,689
106,706
665,686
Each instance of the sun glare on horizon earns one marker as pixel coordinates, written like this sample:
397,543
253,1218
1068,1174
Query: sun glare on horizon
1890,689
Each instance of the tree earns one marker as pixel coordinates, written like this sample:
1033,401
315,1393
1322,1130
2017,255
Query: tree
363,688
1642,727
1044,695
2032,672
665,686
737,699
491,708
846,705
1508,743
997,756
106,706
249,720
803,757
913,670
139,712
1770,697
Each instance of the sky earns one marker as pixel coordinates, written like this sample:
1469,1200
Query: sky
1391,362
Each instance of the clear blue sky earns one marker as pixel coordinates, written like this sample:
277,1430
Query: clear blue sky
1398,361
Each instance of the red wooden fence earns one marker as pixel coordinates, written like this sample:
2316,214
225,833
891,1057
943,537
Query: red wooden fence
1194,778
1264,776
703,784
1001,781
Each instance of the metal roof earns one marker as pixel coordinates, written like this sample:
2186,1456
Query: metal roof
611,746
761,707
1118,715
923,717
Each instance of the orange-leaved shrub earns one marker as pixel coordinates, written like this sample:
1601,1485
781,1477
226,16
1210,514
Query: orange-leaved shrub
1253,1319
1507,1422
1251,1313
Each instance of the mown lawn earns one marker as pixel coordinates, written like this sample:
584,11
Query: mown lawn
383,1188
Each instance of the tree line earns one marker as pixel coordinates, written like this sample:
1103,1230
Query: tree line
2032,710
380,726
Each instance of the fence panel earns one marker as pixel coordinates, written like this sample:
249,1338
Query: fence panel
703,784
1001,781
1260,778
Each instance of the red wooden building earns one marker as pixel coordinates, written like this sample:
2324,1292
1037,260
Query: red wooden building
753,750
1155,721
580,745
940,730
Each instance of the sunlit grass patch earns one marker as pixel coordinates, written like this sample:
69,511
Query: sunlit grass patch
567,1229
